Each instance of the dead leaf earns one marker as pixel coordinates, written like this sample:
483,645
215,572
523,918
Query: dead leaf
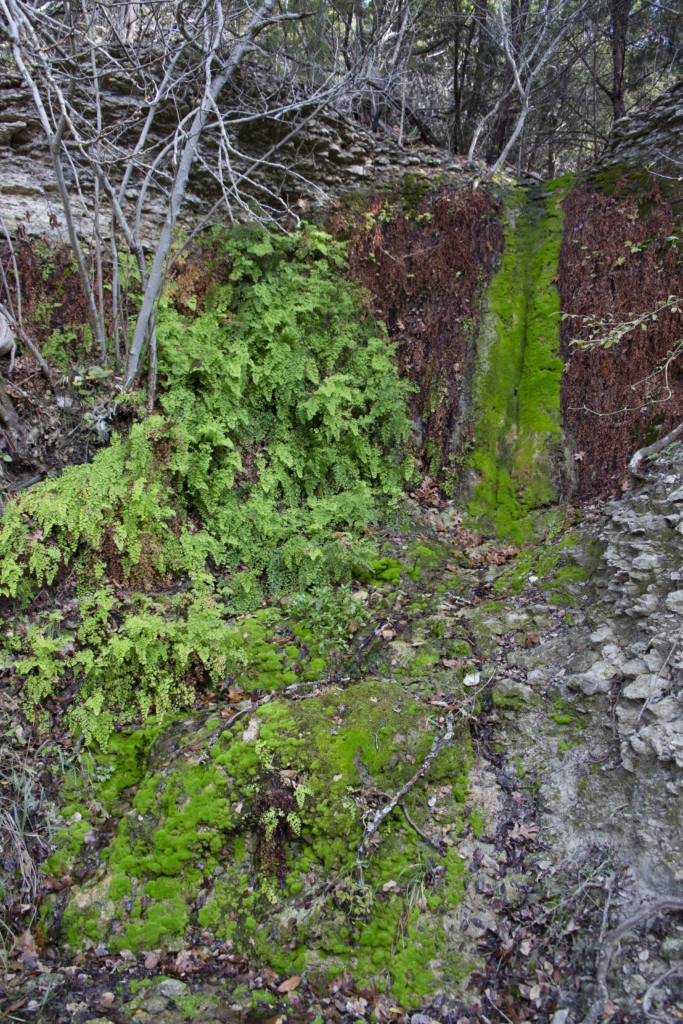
57,884
579,456
290,984
152,960
337,778
532,639
522,832
107,999
387,634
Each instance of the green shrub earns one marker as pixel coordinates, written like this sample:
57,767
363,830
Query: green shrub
290,408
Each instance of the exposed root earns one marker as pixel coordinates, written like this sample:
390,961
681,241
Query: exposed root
633,467
423,835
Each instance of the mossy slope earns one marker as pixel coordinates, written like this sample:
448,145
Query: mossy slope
516,386
257,845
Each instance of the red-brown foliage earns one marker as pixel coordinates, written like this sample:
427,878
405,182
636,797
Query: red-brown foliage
426,273
615,260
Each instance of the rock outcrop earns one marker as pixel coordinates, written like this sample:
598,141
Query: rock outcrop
330,155
652,135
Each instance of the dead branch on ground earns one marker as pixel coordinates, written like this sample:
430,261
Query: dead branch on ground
440,741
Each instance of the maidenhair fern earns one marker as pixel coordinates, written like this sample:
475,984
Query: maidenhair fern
280,439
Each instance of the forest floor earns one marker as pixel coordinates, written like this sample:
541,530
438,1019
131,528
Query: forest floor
535,912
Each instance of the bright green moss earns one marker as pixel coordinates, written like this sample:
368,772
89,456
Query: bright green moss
516,388
186,819
476,822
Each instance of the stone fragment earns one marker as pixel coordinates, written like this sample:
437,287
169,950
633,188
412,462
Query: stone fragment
155,1003
601,634
172,988
646,605
674,602
251,731
647,560
642,688
633,667
672,949
597,679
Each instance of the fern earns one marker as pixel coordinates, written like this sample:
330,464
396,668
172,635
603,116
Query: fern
281,439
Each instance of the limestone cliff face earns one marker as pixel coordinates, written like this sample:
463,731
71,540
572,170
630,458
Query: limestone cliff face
652,135
426,241
331,155
619,255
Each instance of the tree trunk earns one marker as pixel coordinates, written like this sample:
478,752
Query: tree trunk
619,15
519,12
214,87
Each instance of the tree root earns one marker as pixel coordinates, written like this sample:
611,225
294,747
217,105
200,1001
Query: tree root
608,949
423,835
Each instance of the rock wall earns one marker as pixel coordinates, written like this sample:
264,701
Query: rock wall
331,155
652,135
639,619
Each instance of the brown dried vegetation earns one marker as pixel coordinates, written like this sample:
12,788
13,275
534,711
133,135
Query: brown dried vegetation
426,272
615,261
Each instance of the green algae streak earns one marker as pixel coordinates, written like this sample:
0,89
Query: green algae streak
518,371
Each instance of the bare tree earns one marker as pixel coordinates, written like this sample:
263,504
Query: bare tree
528,39
197,75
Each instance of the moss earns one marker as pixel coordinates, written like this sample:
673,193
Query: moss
192,1006
547,561
458,649
508,701
185,818
476,822
635,179
516,387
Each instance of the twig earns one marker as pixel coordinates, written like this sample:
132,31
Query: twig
647,998
423,835
607,951
382,813
605,912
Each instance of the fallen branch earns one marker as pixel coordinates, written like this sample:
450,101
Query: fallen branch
382,813
423,835
634,465
647,998
607,951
